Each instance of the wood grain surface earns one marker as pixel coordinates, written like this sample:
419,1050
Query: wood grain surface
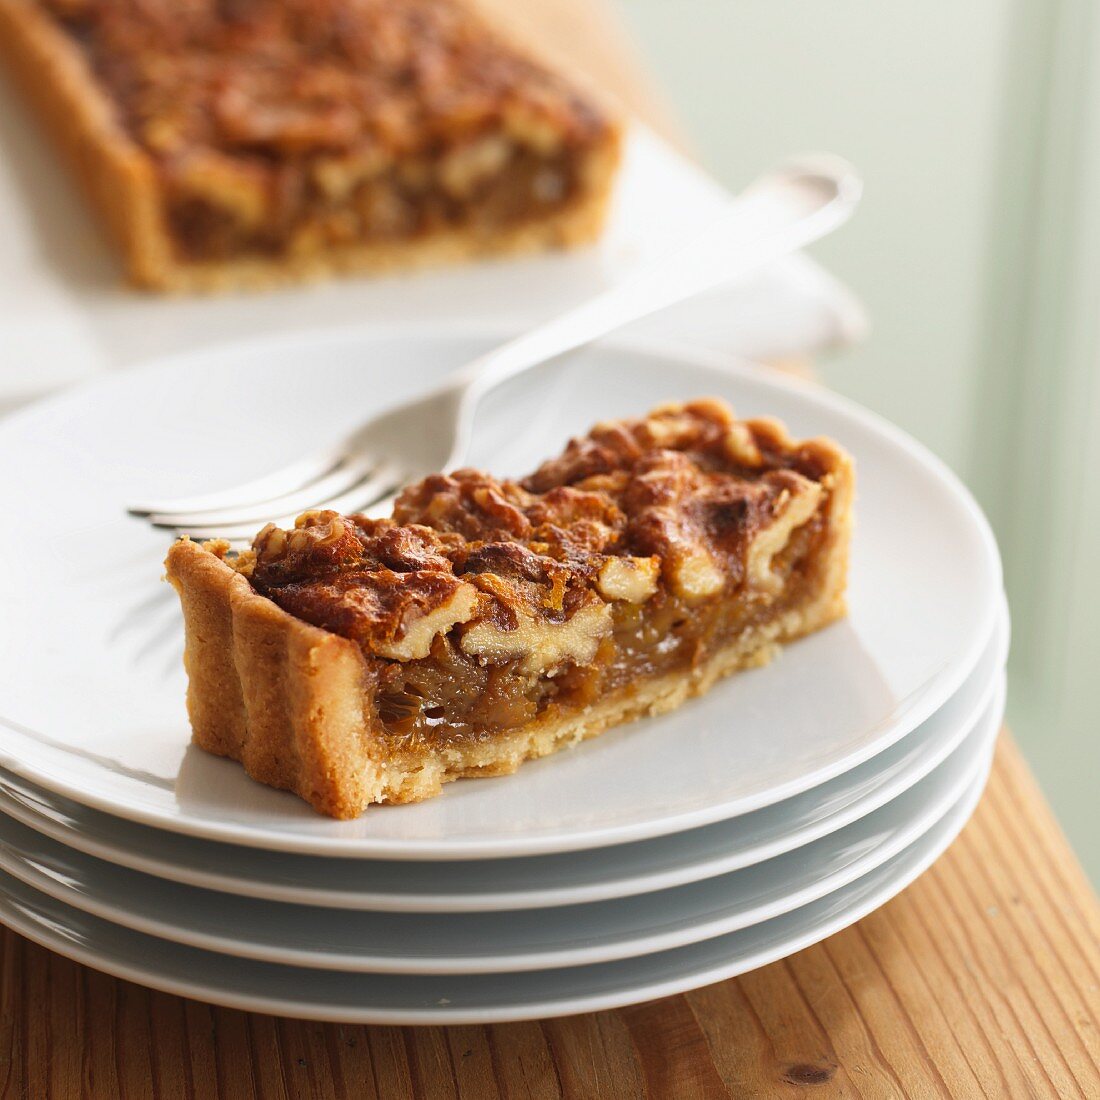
982,979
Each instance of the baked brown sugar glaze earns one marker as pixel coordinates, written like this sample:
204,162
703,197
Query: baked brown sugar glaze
292,127
647,548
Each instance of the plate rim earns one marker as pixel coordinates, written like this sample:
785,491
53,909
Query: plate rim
980,741
500,900
934,692
438,1014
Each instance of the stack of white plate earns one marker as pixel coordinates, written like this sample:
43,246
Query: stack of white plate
666,854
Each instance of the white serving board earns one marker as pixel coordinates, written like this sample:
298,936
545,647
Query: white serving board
66,315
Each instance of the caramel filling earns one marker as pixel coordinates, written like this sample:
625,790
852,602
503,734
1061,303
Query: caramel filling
452,697
314,214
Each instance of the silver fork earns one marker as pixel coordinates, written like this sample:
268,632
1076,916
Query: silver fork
779,213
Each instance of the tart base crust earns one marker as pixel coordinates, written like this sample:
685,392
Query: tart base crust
285,698
113,172
120,180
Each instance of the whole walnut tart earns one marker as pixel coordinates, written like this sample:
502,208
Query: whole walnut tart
245,142
357,660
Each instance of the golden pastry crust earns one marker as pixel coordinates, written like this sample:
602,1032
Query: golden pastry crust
117,177
224,146
487,622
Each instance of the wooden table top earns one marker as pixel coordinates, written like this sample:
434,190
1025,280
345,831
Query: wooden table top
980,979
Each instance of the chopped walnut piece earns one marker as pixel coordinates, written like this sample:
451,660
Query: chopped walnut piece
235,188
793,507
630,579
418,633
539,643
338,177
741,446
695,575
463,169
533,128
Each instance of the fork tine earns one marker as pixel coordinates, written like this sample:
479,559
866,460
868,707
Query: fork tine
295,475
344,477
378,485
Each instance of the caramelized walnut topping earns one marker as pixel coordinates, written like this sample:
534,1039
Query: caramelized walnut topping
668,511
698,427
391,589
396,615
522,579
467,503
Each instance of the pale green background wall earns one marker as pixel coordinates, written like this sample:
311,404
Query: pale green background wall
972,122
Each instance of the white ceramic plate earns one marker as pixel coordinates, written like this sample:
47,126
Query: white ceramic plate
461,999
532,882
481,943
94,708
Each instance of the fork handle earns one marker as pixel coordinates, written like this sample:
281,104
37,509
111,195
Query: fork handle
778,214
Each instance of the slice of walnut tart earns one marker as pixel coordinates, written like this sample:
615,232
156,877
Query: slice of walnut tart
247,143
356,660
